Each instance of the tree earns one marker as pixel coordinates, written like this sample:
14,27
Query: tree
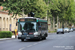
16,6
63,9
1,2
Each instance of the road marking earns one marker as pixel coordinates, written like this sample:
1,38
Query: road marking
22,48
35,43
29,46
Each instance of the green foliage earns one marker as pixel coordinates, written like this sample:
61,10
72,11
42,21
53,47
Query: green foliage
65,9
12,6
37,6
16,6
5,34
1,2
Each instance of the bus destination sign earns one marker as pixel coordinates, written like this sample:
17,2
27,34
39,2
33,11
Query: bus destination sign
30,20
22,20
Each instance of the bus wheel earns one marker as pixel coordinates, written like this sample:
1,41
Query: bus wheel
22,39
40,38
44,38
62,32
46,35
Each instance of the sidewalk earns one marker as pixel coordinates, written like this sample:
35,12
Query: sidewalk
13,36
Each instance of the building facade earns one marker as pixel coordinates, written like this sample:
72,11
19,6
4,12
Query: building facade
7,22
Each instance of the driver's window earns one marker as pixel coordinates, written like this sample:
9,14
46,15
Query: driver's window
39,26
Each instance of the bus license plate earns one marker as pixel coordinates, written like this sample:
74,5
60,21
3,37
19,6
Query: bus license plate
25,33
27,37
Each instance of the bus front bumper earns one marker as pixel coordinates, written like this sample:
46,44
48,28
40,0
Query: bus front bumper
30,36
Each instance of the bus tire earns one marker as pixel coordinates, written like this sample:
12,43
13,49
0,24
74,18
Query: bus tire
57,33
46,35
62,32
22,39
44,38
40,38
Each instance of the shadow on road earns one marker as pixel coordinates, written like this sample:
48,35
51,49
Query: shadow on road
31,40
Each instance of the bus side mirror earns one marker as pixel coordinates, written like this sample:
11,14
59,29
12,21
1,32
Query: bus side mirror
16,23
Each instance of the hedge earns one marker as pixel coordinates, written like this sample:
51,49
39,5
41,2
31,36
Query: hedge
5,34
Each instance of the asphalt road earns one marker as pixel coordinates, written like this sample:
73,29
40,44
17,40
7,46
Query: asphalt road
53,42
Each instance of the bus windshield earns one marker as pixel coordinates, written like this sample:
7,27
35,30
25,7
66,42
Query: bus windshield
27,26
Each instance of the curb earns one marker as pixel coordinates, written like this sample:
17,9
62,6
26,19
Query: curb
6,39
13,37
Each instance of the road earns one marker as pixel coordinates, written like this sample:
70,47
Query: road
53,42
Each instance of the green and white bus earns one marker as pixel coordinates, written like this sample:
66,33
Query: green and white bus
32,28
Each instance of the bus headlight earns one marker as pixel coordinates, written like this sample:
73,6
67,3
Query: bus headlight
19,34
36,33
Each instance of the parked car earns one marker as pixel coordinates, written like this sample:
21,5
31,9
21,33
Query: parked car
66,30
71,30
60,30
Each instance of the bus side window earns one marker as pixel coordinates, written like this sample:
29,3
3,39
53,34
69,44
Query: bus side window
44,26
39,26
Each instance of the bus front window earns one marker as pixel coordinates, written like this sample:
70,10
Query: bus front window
28,26
21,26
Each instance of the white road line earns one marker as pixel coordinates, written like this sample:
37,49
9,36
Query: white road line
29,46
35,43
22,48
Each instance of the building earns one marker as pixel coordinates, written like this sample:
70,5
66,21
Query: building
7,23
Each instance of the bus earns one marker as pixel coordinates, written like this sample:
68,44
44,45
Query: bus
32,28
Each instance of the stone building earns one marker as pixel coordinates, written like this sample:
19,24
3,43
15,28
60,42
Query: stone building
7,23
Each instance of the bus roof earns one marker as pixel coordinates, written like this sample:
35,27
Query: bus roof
38,19
42,20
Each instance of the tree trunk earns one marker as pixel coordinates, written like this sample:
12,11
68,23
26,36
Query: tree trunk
53,24
49,25
57,22
64,24
61,25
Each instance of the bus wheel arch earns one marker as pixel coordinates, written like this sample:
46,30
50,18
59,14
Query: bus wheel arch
46,34
22,40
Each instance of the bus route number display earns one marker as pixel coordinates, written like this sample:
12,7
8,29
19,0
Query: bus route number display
30,19
22,20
